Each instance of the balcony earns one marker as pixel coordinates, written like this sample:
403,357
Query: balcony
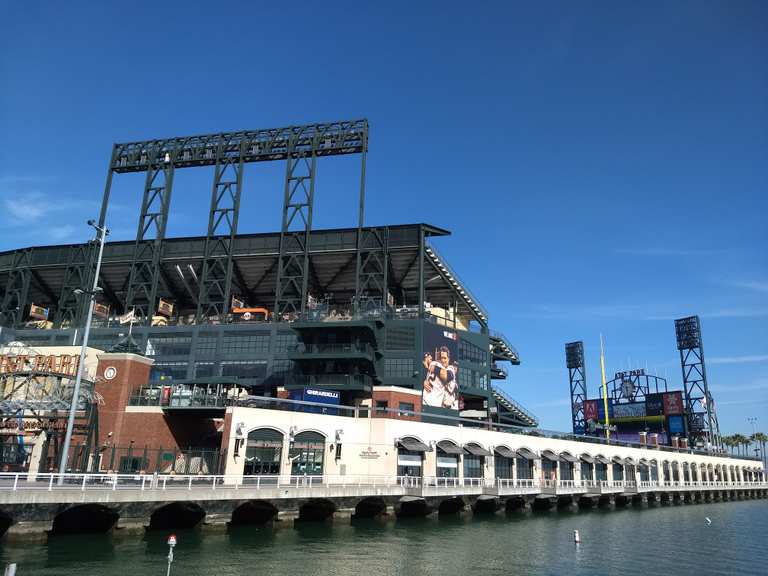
360,382
498,373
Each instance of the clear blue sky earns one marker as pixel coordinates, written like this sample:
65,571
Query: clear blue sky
602,165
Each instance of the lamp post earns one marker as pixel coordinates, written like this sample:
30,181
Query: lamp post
101,237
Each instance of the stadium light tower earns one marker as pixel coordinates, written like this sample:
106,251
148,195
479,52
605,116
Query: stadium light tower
577,377
101,235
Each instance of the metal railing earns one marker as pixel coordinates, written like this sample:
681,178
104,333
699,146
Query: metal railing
332,348
16,482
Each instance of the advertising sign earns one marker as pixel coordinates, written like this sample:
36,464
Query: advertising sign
165,308
63,364
38,312
673,403
675,424
630,411
654,405
441,368
330,397
590,410
601,410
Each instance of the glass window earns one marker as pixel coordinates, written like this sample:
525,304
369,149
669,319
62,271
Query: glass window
381,406
601,472
282,367
447,465
566,471
306,454
205,369
206,345
503,466
284,342
468,352
168,371
398,367
586,471
244,369
245,343
473,466
407,409
408,463
169,345
618,472
524,468
263,450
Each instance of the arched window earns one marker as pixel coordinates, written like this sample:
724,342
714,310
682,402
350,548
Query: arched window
306,454
410,457
263,452
474,460
448,459
524,464
504,462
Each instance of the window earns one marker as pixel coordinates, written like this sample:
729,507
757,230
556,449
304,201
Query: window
306,454
447,465
381,406
586,471
169,345
524,468
504,466
601,472
398,367
282,367
206,345
408,463
468,352
263,451
473,466
406,409
244,369
566,471
284,342
618,472
205,369
168,371
236,344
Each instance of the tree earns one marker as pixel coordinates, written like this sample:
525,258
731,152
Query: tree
762,439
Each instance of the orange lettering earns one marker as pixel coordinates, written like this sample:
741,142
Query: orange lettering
39,363
50,363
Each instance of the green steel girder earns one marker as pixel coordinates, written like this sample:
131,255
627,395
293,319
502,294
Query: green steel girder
16,295
69,311
216,275
144,277
293,263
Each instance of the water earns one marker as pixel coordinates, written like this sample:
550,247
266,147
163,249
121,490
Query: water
663,540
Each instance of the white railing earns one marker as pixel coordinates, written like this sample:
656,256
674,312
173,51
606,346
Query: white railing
16,482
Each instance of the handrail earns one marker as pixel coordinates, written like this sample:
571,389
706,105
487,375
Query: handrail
22,481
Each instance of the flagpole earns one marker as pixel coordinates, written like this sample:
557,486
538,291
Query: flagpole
605,388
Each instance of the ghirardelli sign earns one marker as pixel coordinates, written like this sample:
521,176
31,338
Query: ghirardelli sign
60,364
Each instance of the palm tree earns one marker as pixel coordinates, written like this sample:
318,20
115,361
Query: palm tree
762,439
730,442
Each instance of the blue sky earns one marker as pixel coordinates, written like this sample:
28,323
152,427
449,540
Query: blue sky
602,165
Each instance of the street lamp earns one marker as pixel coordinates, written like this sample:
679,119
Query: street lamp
101,235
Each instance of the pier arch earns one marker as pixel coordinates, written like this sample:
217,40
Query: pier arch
6,521
451,505
253,513
85,519
316,510
180,515
370,508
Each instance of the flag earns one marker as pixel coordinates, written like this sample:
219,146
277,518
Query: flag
127,317
101,310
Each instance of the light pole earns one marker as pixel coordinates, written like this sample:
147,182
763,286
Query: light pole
171,544
101,238
753,420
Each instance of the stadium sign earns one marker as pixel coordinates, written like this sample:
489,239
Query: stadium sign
59,364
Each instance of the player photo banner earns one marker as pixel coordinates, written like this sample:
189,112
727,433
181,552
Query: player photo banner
441,368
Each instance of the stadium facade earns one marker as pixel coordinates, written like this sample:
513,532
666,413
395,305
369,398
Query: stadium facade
372,318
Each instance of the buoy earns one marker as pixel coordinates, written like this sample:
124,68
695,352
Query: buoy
708,520
576,537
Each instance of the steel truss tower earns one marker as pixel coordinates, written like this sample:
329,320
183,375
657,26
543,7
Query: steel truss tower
577,377
299,146
700,410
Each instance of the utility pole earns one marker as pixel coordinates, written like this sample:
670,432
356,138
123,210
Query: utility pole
101,235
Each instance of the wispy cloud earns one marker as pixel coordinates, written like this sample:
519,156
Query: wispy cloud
759,385
26,208
755,285
669,252
746,312
738,359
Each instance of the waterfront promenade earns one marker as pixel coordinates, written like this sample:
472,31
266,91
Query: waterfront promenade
39,503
